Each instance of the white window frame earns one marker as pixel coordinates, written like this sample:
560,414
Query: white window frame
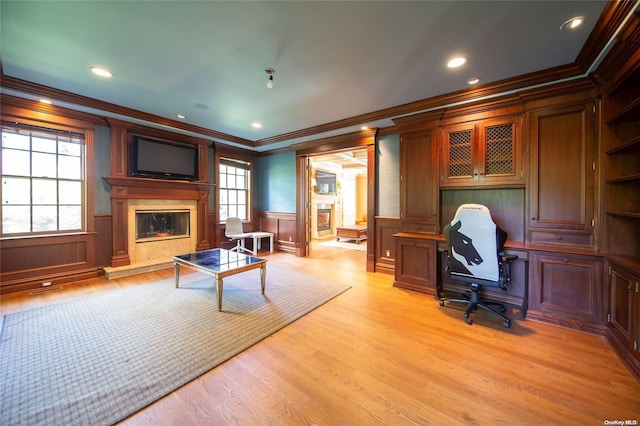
57,180
234,189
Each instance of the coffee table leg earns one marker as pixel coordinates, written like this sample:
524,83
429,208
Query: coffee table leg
219,291
263,276
177,272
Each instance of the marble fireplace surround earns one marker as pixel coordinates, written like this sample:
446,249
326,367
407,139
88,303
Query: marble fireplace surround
129,194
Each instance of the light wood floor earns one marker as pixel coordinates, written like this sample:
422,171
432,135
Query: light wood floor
380,355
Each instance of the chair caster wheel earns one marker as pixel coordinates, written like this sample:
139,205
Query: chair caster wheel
442,303
468,321
502,309
506,323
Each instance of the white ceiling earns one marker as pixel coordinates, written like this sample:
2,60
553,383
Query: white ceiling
333,60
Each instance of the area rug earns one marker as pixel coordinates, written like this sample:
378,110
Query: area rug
98,359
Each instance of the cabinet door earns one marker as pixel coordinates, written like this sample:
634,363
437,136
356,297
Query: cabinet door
415,267
561,180
621,309
418,188
458,151
566,288
499,153
485,152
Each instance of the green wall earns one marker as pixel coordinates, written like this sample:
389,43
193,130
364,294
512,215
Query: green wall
274,183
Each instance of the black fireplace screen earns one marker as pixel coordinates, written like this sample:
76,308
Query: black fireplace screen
162,224
324,219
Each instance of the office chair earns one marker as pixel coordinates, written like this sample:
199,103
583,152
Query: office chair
234,232
474,256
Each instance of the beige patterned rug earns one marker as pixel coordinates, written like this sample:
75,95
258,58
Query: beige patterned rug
98,359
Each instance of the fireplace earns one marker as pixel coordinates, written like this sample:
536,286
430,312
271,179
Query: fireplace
159,229
324,219
154,225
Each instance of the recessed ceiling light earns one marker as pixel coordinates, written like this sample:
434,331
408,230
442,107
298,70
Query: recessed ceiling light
182,116
572,23
46,101
456,62
101,72
256,125
364,128
474,80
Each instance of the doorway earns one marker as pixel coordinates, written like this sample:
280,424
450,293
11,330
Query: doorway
342,144
338,200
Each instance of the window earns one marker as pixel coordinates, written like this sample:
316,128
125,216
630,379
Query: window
234,189
42,180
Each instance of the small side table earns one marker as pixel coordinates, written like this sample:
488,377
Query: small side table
257,240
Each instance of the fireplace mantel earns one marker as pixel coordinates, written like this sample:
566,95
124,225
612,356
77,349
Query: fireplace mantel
124,188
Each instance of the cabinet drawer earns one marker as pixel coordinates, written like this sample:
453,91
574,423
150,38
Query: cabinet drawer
562,237
421,227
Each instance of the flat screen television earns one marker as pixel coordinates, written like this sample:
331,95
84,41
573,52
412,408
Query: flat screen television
325,182
163,160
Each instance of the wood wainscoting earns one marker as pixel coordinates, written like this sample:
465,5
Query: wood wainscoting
283,227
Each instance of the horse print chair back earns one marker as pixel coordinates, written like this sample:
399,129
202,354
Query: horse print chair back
474,256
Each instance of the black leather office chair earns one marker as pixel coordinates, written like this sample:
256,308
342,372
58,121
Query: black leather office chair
474,256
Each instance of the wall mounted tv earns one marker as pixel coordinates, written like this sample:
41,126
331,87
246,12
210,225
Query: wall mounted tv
325,182
163,160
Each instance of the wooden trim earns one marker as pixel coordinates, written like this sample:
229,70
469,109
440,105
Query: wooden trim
42,115
608,23
61,95
125,188
335,143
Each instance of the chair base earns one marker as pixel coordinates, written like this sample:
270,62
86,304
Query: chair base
474,302
240,248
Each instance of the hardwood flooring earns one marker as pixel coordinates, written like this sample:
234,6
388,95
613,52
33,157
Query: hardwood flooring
378,355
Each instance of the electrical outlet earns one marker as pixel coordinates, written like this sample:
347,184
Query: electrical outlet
46,284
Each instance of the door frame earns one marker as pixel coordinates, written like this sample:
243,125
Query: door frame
361,139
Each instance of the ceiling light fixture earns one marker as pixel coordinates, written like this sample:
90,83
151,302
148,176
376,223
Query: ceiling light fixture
572,23
271,72
256,125
101,72
182,116
456,62
46,101
474,80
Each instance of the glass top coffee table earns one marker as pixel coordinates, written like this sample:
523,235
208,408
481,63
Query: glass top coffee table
220,263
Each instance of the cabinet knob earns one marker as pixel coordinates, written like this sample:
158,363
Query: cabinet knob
559,237
418,228
533,218
566,260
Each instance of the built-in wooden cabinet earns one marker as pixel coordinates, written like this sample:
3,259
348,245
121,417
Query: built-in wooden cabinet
562,166
622,167
623,317
482,152
418,194
416,263
566,289
418,173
